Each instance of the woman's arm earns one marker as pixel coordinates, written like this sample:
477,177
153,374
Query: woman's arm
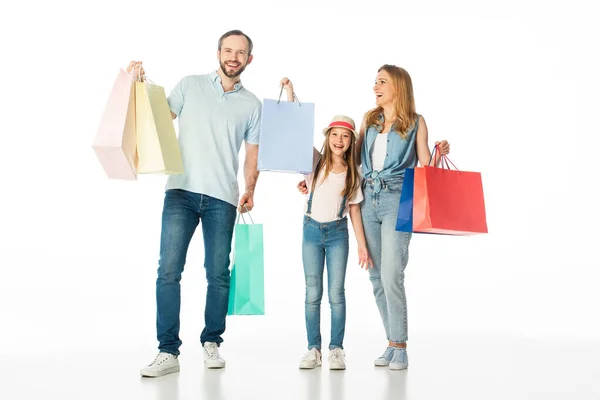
423,152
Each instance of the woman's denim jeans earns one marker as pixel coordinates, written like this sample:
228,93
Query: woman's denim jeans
389,251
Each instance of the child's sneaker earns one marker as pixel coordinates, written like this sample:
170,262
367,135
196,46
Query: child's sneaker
311,359
336,359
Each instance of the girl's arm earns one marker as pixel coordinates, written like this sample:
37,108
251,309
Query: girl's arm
303,184
363,254
289,88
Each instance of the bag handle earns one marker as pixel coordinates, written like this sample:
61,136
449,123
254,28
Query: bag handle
139,77
295,97
242,215
445,159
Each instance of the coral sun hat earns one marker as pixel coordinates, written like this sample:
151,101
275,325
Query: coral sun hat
341,121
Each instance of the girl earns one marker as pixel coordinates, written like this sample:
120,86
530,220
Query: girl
334,192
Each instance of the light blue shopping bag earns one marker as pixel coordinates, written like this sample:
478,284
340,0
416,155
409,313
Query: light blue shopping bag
286,136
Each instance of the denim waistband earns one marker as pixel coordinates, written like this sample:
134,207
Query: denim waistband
324,225
376,183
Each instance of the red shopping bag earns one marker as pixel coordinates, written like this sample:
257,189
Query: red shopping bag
448,201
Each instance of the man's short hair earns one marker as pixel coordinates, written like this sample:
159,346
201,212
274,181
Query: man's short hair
236,32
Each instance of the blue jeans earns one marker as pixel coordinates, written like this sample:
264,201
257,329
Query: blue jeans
182,211
389,251
321,242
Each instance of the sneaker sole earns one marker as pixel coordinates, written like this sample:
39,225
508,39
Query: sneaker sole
309,366
337,367
381,363
160,373
398,367
216,365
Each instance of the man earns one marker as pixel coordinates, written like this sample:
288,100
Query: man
216,113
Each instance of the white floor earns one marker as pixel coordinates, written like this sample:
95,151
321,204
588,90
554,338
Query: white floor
471,366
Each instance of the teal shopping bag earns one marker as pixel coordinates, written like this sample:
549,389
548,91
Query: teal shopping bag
247,289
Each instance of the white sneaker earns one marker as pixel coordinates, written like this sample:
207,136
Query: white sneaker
311,359
336,359
163,364
212,359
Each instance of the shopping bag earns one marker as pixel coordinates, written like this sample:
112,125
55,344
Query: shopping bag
404,220
247,288
447,201
115,141
157,145
286,136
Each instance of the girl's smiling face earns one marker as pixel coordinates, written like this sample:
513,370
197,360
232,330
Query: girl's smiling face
339,140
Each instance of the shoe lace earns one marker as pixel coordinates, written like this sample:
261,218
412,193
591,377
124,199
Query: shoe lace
336,355
211,351
160,358
399,356
388,352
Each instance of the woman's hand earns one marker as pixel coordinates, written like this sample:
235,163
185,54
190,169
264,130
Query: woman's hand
443,147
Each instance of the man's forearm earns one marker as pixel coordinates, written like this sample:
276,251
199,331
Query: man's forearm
251,176
251,168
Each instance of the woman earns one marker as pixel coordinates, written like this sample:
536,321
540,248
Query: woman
392,137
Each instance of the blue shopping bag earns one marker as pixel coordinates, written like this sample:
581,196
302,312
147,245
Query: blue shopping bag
286,136
404,221
247,286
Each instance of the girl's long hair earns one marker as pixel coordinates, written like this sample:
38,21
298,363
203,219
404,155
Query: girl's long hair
326,162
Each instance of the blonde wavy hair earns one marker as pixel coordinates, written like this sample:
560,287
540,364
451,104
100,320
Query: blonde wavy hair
404,102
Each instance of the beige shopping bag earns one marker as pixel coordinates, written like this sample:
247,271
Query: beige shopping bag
157,145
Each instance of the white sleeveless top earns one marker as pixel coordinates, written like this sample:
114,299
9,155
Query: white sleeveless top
379,151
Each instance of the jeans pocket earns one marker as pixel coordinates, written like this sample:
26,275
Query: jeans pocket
342,225
393,186
341,228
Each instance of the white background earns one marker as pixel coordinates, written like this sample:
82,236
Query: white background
512,85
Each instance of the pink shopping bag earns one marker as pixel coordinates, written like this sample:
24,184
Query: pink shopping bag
115,141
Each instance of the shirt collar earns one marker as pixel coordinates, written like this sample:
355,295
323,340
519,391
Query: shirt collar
214,76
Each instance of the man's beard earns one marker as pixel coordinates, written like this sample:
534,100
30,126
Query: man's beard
232,74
